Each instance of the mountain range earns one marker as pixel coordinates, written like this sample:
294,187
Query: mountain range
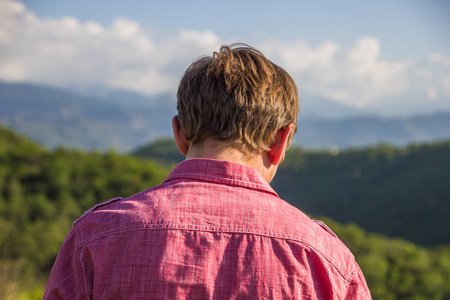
123,120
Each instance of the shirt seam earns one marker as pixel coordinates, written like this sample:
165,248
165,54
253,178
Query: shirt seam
350,275
222,179
84,274
211,229
347,281
85,292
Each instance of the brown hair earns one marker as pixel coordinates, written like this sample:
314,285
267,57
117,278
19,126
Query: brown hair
237,96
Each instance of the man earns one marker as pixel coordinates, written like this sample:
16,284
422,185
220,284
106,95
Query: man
214,229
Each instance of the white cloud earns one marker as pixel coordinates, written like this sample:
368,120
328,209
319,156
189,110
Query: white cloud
440,59
441,75
355,76
432,93
446,85
67,52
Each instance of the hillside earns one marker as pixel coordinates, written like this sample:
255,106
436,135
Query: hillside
124,120
164,151
399,192
42,192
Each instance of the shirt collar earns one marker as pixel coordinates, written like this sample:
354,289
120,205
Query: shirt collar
219,171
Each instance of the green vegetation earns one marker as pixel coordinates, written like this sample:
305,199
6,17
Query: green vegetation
397,269
399,192
42,192
164,151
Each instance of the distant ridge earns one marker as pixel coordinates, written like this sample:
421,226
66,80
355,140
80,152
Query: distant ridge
364,131
124,120
56,117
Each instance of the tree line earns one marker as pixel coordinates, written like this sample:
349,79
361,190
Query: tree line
43,191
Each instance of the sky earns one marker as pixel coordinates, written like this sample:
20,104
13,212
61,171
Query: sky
386,57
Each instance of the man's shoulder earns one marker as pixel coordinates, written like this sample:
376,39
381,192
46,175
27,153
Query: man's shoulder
114,206
96,207
182,206
107,218
320,239
333,249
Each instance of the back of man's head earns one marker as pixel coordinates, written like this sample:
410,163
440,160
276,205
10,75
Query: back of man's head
239,97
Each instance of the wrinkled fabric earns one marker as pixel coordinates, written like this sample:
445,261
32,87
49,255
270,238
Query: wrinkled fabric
212,230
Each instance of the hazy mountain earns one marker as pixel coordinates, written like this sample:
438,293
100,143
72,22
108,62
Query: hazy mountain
55,117
124,120
363,131
317,108
128,98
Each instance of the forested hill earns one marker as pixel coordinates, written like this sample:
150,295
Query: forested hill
400,192
42,192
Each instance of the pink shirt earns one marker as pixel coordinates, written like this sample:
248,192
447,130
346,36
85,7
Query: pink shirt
212,230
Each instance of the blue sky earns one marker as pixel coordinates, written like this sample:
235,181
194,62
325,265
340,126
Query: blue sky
388,57
412,28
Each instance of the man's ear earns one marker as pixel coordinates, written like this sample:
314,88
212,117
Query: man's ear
180,138
278,148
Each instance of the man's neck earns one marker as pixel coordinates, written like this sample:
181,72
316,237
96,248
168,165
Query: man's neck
217,150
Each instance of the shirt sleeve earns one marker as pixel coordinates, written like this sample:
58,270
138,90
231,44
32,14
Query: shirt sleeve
357,288
65,281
